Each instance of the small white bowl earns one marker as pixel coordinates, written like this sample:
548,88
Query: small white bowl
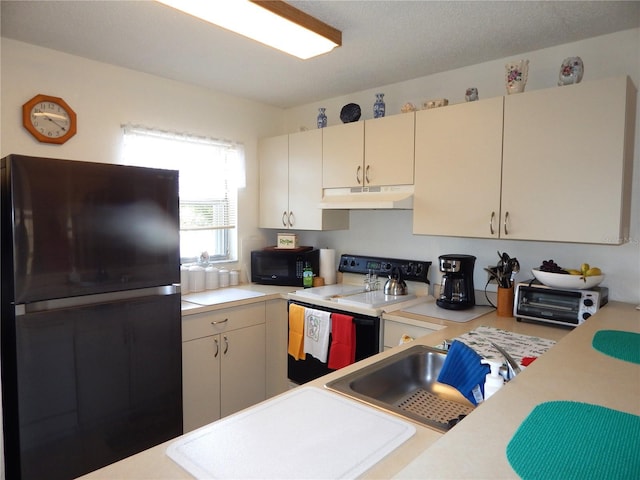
563,280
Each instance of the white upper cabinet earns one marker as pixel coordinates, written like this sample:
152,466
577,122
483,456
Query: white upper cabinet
343,155
372,153
458,169
389,150
554,166
567,162
291,184
273,155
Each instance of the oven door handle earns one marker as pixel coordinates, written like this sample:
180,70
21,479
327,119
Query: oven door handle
364,321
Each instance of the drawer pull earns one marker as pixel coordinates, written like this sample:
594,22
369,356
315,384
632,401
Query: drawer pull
493,215
506,221
215,355
226,345
220,321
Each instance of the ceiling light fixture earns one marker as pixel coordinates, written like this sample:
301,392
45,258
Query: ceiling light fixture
272,22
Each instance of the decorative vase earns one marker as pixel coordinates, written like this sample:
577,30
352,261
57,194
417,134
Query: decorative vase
516,76
571,71
322,118
379,106
351,112
471,95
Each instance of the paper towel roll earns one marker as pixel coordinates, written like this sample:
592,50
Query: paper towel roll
328,265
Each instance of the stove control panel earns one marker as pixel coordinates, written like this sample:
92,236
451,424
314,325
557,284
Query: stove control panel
412,270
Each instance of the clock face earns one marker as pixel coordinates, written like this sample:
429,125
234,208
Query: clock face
49,119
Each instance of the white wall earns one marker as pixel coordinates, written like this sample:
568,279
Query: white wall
104,97
389,232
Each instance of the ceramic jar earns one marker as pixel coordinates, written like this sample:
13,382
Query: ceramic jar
196,278
516,74
211,279
184,279
471,95
379,107
322,118
223,275
571,71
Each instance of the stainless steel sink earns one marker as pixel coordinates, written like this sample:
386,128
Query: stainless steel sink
406,384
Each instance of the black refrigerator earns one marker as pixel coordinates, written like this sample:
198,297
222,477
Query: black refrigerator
90,333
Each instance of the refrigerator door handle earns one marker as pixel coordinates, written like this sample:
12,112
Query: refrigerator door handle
71,302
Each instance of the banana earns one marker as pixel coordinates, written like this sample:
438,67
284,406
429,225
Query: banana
592,272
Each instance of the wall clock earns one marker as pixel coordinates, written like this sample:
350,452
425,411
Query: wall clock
49,119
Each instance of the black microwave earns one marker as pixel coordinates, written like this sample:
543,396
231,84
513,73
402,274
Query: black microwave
273,266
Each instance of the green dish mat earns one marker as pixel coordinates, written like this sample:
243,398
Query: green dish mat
618,344
572,440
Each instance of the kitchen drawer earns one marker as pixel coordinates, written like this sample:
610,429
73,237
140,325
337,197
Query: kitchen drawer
393,331
202,324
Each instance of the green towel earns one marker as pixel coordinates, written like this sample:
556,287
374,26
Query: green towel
571,440
618,344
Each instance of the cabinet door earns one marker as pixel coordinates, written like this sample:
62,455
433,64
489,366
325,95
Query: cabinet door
457,170
305,180
389,150
201,381
564,162
343,155
273,154
243,373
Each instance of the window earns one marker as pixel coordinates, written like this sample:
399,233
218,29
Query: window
210,174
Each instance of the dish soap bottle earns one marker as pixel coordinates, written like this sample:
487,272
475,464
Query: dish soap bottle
493,381
307,276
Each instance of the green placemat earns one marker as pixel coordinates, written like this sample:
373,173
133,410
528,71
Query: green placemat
572,440
618,344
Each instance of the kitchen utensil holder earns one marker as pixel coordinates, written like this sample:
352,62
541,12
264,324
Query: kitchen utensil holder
505,302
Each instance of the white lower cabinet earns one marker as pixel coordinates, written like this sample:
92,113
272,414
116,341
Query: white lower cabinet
223,363
394,331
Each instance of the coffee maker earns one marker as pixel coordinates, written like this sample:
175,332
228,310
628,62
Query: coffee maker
457,291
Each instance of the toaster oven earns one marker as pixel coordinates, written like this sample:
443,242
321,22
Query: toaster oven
537,302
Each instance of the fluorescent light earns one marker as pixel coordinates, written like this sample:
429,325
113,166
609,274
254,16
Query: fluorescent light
273,23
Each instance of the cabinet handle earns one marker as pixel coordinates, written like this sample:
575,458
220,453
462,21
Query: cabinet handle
493,215
226,345
366,174
220,321
506,219
358,174
292,219
284,219
215,355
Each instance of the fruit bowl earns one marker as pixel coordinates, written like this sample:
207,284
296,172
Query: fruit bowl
565,280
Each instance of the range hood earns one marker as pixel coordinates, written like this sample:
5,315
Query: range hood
399,197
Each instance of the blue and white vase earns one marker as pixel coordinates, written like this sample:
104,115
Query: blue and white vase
379,106
322,118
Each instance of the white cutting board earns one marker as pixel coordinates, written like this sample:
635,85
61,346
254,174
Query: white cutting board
306,433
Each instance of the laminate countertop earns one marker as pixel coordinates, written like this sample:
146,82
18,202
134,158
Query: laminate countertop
476,448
